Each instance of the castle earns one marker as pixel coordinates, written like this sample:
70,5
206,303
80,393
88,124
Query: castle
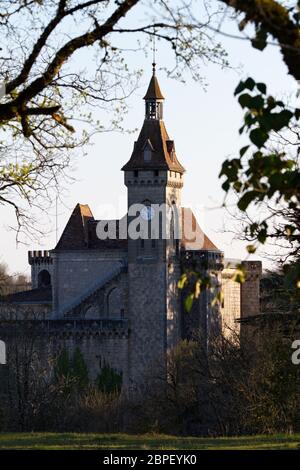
117,297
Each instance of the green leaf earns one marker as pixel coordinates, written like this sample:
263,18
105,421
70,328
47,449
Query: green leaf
251,249
246,199
239,275
282,119
226,186
247,84
262,87
244,150
239,88
245,100
258,137
182,281
188,303
257,102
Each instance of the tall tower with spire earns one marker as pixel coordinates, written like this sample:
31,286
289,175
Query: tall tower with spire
154,178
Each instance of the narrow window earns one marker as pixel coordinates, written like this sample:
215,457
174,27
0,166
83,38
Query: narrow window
147,155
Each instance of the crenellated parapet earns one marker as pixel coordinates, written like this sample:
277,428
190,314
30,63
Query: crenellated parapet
41,263
41,257
253,270
66,329
201,260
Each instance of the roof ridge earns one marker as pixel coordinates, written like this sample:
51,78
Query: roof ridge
200,241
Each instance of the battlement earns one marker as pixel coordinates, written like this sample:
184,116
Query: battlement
66,328
253,269
40,257
202,259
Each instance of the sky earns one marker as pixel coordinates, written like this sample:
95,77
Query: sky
204,124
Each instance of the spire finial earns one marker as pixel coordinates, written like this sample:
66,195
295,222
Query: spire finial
154,53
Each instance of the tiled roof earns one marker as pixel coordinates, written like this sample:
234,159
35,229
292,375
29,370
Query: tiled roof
193,237
40,295
81,233
96,243
163,155
75,234
153,92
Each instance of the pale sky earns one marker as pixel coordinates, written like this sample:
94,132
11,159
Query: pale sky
204,125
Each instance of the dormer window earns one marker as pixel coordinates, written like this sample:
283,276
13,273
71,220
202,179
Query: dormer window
148,150
147,155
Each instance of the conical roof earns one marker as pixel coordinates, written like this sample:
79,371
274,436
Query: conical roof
154,92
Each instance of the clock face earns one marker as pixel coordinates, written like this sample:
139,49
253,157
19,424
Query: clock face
147,212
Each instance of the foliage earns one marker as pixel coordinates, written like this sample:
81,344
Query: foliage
271,18
279,291
79,369
266,177
225,389
73,369
109,380
11,283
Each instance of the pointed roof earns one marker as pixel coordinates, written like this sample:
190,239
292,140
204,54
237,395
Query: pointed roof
81,233
75,234
164,155
154,92
193,237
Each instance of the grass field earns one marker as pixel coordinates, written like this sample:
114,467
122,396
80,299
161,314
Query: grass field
73,441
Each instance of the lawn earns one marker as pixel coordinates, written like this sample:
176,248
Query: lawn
73,441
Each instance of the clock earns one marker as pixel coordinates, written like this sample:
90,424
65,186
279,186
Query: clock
147,213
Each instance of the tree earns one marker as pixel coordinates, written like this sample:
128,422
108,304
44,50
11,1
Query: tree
231,390
79,369
72,369
265,176
266,173
11,283
270,18
109,380
47,98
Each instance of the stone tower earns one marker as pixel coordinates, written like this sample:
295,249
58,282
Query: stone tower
154,178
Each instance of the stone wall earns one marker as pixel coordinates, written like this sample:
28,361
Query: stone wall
250,297
77,271
231,305
100,342
147,319
250,289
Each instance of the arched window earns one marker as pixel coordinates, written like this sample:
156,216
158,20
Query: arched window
2,352
44,278
114,302
93,312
